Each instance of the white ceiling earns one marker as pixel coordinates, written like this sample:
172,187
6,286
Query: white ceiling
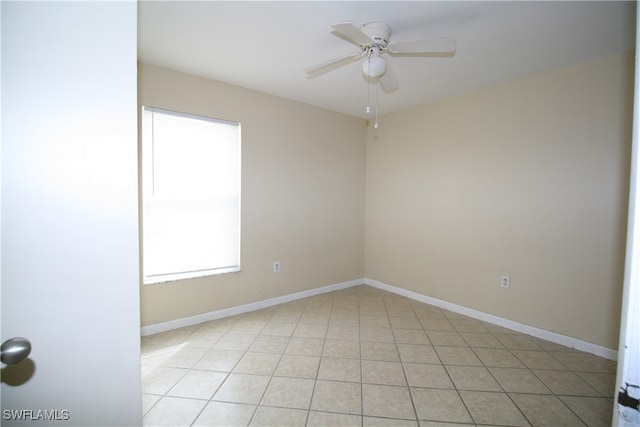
266,45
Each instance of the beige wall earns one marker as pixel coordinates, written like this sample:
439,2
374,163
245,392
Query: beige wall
303,177
527,179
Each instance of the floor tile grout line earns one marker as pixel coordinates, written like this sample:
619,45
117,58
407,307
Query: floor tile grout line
361,387
315,380
549,387
519,409
572,411
413,403
199,413
466,407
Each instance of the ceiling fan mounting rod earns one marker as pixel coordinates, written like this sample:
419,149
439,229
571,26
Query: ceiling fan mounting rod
378,32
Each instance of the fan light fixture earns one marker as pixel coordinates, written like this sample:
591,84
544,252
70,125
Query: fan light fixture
374,65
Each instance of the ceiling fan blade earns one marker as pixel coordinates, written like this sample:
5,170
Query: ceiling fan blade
388,80
332,64
437,45
352,33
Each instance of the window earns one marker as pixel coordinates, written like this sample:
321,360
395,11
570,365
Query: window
190,196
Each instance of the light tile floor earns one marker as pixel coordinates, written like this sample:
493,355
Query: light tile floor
366,357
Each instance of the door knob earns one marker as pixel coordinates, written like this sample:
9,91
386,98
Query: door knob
14,350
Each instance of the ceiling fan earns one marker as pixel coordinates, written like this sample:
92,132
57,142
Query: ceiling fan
373,40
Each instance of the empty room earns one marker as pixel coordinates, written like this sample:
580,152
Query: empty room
320,213
455,254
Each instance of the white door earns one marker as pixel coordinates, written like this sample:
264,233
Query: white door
628,379
69,226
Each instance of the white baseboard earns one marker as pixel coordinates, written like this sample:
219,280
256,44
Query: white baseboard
509,324
245,308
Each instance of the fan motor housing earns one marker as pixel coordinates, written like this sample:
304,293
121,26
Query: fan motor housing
378,32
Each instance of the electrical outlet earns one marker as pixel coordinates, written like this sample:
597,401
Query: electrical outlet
505,281
276,266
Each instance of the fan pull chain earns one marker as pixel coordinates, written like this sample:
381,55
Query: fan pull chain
375,126
368,110
368,88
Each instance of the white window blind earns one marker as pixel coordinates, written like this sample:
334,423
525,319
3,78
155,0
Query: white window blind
191,196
